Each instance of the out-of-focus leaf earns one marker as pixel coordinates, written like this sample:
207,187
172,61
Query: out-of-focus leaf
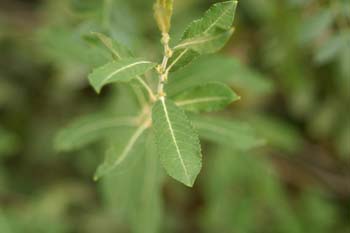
221,69
134,194
315,25
177,142
118,51
114,158
329,50
277,133
227,132
121,71
208,97
89,129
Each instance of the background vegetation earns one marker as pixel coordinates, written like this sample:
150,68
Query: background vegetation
288,59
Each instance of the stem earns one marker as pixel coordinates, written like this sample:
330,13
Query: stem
162,69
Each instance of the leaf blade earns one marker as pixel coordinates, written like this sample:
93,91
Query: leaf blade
180,156
120,71
206,98
111,162
232,133
88,129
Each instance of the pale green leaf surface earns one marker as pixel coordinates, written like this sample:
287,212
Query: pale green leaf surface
118,51
329,50
121,71
208,43
220,15
228,132
114,158
177,142
89,129
134,195
208,97
181,58
315,25
205,35
219,68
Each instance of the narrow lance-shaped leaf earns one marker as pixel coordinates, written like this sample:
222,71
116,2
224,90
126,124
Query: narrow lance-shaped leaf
206,35
177,142
114,159
120,71
232,133
118,51
163,10
208,43
133,192
89,129
208,97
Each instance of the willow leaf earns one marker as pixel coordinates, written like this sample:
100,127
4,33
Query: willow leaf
118,51
232,133
206,35
163,10
208,43
219,16
177,142
114,159
88,129
120,71
208,97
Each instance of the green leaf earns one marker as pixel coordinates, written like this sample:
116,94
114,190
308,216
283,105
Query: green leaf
121,71
118,51
208,97
115,158
226,69
163,10
206,35
177,142
329,50
219,16
88,129
232,133
181,58
208,43
315,25
133,195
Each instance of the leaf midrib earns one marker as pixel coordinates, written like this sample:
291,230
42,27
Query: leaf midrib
124,68
174,139
199,100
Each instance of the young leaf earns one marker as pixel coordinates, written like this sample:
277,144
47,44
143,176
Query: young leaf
121,71
205,35
181,58
231,133
89,129
208,43
208,97
163,10
220,15
177,142
118,51
113,159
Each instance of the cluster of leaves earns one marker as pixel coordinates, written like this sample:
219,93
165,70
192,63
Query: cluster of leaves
176,139
290,100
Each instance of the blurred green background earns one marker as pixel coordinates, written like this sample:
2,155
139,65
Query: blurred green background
288,59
